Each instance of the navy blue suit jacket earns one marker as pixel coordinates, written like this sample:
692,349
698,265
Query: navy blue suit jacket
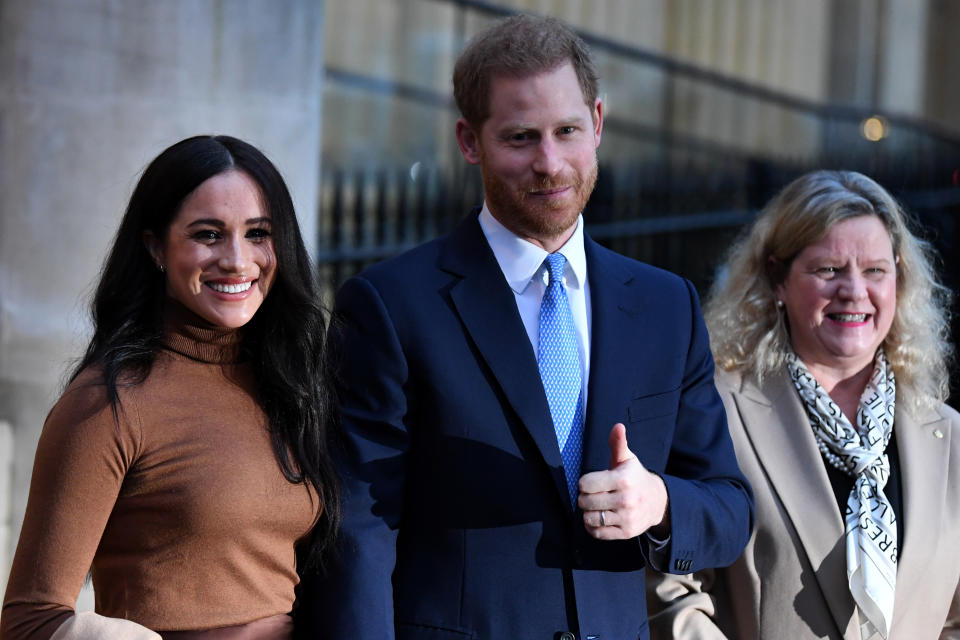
458,523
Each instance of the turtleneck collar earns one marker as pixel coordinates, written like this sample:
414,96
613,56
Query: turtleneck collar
190,335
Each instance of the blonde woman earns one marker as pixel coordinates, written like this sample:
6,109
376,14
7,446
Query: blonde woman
830,337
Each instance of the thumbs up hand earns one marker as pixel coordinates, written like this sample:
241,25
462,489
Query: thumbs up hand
625,500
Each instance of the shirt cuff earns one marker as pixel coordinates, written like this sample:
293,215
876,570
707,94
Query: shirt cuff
657,553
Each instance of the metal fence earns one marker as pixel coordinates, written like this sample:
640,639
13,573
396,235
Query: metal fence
681,219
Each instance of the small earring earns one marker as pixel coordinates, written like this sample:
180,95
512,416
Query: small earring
779,304
163,269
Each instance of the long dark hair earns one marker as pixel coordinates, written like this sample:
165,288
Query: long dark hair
284,340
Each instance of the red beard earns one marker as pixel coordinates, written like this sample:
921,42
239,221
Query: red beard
528,215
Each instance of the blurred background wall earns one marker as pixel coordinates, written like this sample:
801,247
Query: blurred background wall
711,106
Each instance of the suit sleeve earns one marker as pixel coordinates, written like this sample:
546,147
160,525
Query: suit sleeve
710,501
690,605
354,596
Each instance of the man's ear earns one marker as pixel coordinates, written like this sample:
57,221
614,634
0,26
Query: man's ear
597,120
155,248
469,141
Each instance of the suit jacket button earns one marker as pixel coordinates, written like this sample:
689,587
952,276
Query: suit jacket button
566,635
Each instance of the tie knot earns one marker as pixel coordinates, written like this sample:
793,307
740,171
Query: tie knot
555,263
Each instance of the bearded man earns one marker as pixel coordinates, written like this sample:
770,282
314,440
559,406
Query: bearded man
529,418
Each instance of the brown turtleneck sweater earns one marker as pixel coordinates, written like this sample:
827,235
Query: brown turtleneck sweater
179,506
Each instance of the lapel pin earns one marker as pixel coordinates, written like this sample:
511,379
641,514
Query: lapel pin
937,433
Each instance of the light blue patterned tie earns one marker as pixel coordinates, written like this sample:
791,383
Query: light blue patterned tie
559,361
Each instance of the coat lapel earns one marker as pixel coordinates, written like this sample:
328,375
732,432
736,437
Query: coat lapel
924,461
487,307
780,432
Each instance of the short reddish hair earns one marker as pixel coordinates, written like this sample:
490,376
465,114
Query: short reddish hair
518,46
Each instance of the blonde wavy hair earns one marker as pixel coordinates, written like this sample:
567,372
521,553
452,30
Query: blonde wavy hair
749,334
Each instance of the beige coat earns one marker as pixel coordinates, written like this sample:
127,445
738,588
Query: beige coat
791,580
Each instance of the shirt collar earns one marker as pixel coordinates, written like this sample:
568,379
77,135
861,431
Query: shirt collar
520,260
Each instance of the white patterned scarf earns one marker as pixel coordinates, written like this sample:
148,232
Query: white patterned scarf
871,526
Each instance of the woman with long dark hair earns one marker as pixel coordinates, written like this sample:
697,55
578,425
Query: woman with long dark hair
186,463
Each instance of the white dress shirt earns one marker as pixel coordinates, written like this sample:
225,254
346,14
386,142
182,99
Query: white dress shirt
522,265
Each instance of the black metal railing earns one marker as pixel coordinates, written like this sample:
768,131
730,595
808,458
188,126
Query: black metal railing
683,223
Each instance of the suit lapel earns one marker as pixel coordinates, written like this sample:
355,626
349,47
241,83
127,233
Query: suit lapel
611,319
487,307
924,460
780,432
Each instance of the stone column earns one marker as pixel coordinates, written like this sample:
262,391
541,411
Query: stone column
90,92
941,90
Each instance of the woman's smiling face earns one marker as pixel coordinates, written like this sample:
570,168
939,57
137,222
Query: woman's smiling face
218,251
840,295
